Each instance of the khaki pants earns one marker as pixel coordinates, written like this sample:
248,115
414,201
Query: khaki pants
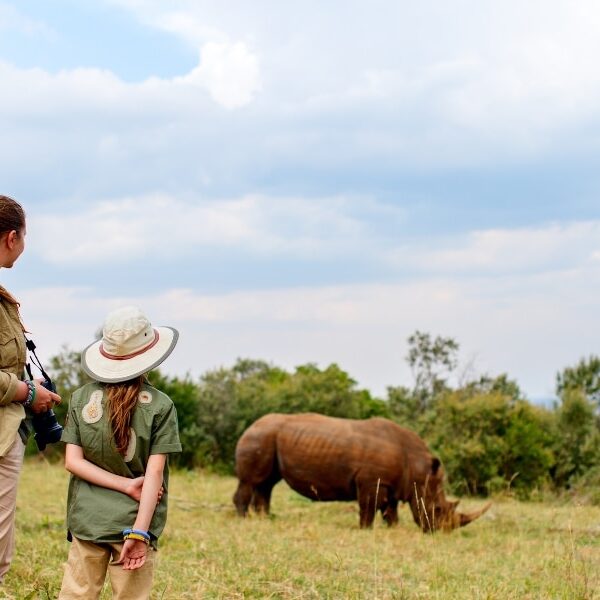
10,467
86,567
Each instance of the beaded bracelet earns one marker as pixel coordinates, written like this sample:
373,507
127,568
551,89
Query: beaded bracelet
31,394
136,534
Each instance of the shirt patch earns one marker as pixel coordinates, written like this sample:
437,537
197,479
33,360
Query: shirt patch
131,446
145,397
92,411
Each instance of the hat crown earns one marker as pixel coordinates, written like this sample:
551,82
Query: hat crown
126,331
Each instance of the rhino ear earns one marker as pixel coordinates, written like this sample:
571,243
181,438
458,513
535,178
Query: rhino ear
435,465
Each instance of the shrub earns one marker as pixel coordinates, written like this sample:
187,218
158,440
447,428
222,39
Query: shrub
486,438
232,399
577,438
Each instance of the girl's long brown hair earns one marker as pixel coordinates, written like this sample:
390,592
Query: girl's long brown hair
12,218
121,400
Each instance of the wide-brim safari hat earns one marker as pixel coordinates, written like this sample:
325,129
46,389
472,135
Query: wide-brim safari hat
130,346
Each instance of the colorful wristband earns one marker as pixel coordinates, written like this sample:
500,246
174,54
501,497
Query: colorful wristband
30,395
136,534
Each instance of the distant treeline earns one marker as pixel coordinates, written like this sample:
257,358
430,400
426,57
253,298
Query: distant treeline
488,435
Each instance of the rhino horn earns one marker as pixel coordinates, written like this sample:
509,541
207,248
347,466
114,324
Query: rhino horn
465,519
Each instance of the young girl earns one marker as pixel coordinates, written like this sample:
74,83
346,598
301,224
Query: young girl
119,432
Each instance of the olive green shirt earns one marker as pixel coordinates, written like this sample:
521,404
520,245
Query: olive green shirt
99,514
13,356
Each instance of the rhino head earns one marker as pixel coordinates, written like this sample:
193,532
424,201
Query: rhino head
431,509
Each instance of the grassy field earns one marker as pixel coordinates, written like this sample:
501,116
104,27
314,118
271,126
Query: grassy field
306,550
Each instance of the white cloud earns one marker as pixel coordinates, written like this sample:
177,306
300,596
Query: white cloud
38,93
128,228
378,92
525,67
185,25
550,246
525,303
230,72
320,230
11,19
529,327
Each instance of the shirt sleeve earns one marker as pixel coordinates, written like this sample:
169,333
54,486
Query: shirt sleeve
12,354
8,387
165,432
70,434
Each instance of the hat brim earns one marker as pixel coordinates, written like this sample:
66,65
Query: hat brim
107,370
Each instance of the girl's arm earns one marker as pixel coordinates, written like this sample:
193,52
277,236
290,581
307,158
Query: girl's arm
133,555
77,464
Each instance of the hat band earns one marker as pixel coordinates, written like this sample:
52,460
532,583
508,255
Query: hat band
133,354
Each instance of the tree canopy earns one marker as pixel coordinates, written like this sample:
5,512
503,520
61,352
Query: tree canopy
487,434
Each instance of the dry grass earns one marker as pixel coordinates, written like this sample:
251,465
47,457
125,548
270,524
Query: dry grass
307,550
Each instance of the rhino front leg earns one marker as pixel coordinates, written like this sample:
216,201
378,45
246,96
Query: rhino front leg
372,498
390,513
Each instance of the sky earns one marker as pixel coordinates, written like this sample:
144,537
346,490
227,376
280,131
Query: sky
310,182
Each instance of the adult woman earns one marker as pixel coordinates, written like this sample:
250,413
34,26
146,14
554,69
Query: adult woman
14,393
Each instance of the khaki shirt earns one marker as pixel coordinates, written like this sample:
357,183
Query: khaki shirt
99,514
13,356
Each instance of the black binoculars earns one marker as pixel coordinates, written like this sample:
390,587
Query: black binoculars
47,429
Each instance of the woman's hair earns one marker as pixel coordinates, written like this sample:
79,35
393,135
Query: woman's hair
12,215
121,400
12,218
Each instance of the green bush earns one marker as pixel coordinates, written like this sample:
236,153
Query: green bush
585,489
230,400
488,438
184,394
577,445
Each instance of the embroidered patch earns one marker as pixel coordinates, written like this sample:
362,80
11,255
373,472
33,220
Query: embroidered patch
131,446
92,411
145,397
97,396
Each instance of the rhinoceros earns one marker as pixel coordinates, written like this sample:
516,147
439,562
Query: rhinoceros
374,461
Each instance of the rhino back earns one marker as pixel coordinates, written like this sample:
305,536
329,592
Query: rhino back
324,457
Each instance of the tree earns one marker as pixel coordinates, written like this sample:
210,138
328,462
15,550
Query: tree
232,399
577,438
487,440
67,375
431,361
184,394
584,376
404,406
330,391
500,384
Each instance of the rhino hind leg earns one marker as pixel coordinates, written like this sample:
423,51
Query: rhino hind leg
256,468
242,498
261,499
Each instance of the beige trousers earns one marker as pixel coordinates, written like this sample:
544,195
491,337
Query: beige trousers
86,567
10,468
